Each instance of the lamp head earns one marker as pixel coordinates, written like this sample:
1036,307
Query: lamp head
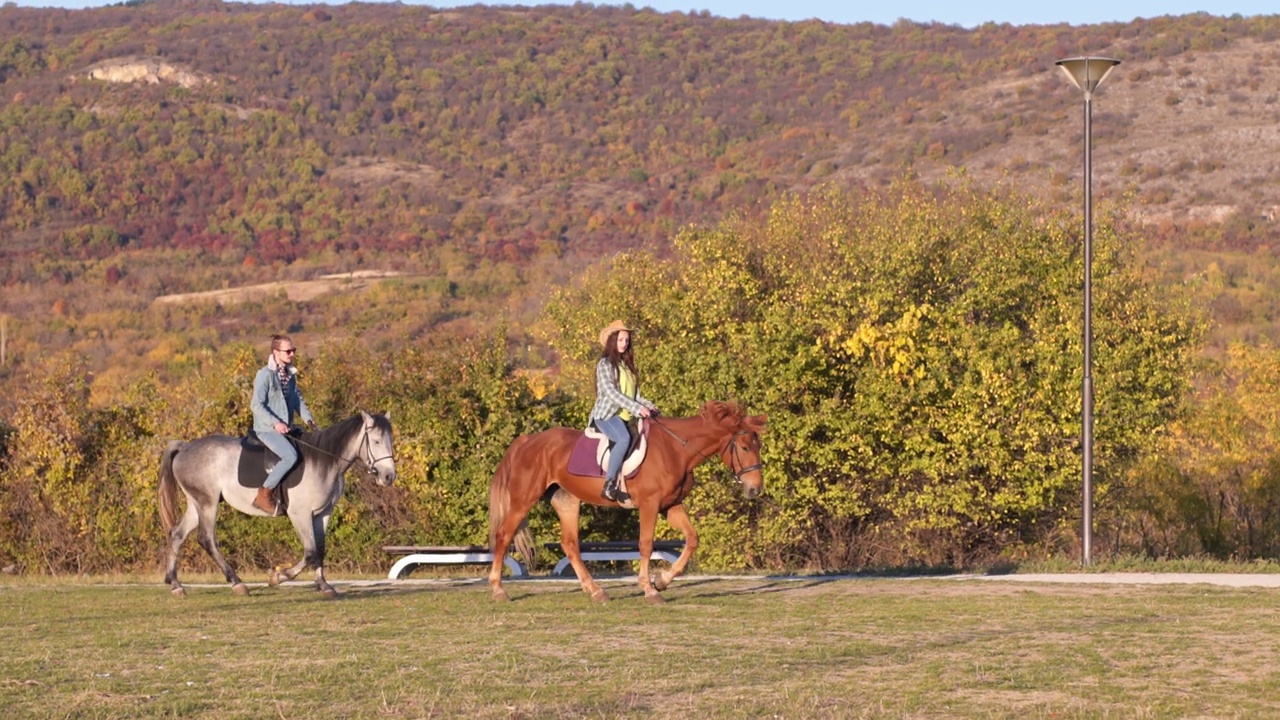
1087,73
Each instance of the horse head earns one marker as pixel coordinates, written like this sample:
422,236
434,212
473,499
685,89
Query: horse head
742,453
379,458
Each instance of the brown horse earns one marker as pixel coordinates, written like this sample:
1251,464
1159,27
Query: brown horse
535,464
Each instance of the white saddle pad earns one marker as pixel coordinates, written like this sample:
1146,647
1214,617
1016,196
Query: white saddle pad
602,450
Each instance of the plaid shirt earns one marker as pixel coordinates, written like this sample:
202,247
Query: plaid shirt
609,397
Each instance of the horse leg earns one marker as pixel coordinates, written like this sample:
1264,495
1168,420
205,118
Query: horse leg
679,519
177,535
519,500
321,527
305,525
648,522
568,507
502,540
280,573
208,516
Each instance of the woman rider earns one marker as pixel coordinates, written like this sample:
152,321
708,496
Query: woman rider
618,400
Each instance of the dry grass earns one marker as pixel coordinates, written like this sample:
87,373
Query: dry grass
295,291
1192,136
814,648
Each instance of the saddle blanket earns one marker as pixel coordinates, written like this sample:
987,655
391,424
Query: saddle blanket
591,453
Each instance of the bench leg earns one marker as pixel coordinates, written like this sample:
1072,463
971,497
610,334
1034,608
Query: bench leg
443,558
517,570
401,564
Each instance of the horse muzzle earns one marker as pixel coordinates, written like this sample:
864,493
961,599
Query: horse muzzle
751,490
384,478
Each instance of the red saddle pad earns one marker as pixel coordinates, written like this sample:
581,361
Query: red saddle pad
582,460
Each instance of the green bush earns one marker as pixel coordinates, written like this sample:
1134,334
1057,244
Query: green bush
918,354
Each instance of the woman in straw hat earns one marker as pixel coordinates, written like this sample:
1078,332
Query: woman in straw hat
618,400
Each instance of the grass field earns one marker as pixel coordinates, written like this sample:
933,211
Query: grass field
719,648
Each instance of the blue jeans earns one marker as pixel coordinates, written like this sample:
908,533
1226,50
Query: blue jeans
615,428
281,446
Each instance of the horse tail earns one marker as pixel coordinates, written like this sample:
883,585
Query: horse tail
169,487
524,545
500,504
500,495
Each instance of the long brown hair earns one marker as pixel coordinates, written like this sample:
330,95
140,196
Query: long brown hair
611,353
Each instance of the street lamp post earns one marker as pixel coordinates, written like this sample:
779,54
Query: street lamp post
1087,73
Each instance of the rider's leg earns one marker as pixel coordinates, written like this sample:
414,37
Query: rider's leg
281,446
615,428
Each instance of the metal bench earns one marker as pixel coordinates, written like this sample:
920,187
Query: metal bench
446,555
616,550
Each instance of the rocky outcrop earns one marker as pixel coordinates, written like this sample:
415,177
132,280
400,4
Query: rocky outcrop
150,70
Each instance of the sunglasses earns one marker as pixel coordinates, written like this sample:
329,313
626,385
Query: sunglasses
290,351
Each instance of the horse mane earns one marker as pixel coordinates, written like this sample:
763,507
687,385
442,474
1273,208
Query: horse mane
727,413
332,439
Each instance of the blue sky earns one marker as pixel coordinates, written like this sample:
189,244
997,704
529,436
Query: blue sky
969,14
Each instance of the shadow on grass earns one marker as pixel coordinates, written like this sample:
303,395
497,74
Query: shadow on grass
620,586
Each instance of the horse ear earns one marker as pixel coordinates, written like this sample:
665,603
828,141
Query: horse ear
756,422
368,419
387,415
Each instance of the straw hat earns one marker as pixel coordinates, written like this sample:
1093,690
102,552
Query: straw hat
611,328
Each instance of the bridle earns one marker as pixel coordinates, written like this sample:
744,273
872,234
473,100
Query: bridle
370,464
733,450
733,454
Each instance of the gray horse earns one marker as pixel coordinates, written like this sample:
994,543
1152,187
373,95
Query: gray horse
223,467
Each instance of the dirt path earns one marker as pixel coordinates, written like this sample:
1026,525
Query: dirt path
296,291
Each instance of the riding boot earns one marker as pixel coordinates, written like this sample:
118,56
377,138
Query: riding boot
613,492
266,501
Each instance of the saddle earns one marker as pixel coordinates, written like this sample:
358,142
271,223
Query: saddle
591,452
257,460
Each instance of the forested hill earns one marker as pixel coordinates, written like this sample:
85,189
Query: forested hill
168,147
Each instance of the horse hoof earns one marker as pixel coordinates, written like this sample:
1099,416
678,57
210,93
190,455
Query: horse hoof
501,596
178,592
240,589
600,596
654,599
274,578
661,584
329,593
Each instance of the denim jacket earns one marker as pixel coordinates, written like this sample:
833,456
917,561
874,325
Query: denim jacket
271,403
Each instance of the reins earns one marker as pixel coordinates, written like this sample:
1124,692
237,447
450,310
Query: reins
733,448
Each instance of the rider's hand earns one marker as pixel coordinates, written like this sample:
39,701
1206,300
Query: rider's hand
311,424
644,411
282,428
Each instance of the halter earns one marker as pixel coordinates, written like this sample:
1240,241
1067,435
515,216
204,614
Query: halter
733,449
